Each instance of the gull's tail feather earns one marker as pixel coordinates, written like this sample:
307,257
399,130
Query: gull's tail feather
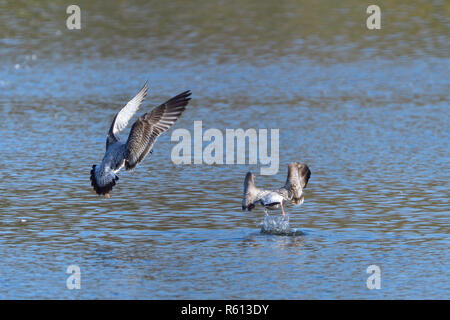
104,181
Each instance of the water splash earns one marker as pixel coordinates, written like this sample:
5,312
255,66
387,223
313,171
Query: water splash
278,225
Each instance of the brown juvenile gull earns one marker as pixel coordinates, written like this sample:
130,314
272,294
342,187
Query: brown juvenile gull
292,191
143,135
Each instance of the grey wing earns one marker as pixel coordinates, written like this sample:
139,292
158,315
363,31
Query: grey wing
122,118
251,197
149,126
303,174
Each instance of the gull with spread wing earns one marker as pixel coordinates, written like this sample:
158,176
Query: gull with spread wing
292,191
143,135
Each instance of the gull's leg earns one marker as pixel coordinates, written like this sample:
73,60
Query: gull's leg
107,196
282,209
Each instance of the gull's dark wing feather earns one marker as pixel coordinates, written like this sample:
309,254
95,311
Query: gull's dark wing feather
297,180
149,126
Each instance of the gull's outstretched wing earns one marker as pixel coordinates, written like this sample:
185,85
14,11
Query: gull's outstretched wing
297,179
251,193
122,118
149,126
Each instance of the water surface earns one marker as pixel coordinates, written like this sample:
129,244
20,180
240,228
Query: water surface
366,110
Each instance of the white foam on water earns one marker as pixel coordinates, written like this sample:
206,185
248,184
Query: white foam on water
278,225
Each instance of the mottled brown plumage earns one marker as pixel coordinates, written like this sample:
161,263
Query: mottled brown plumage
150,125
143,135
292,191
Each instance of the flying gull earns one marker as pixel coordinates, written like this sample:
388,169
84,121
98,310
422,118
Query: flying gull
143,135
292,191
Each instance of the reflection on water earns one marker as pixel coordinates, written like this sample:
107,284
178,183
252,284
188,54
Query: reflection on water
366,110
